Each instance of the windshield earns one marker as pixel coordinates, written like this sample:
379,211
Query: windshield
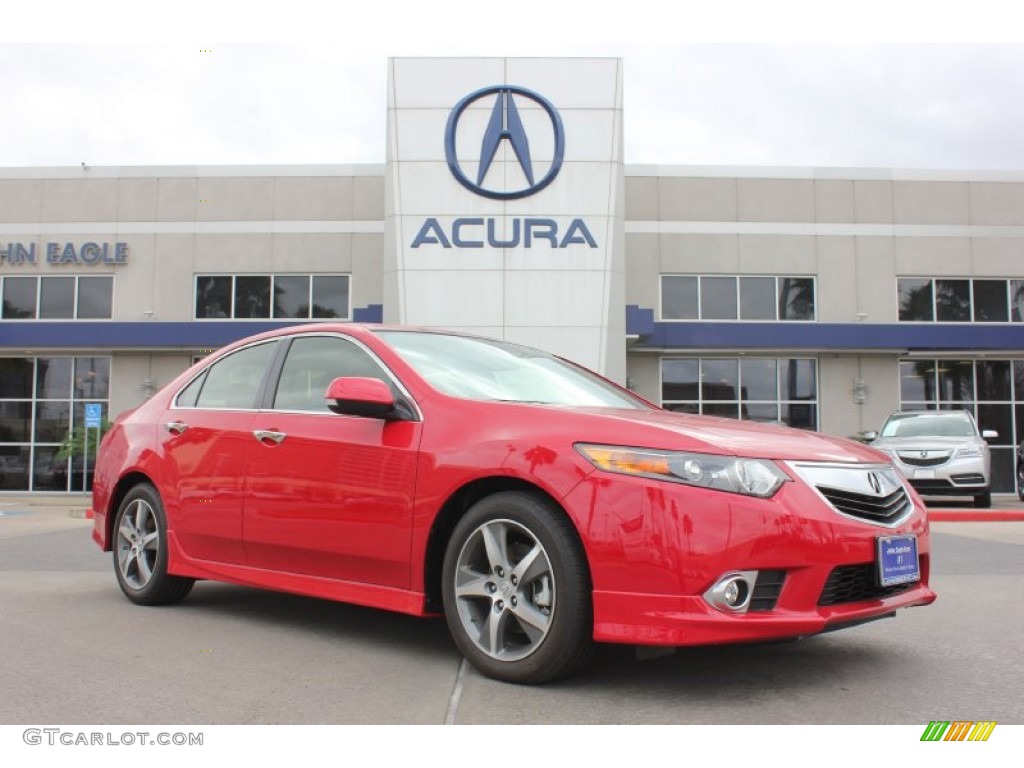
484,369
929,425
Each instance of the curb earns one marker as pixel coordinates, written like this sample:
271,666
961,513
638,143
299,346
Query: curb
974,515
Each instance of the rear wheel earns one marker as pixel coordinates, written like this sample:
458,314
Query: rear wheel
983,500
140,550
1020,481
517,590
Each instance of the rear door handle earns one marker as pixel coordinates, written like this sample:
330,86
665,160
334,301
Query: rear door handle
263,435
175,427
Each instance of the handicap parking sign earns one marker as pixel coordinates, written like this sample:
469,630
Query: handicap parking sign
93,414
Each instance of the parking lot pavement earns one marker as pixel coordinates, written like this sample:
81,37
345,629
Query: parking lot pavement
76,651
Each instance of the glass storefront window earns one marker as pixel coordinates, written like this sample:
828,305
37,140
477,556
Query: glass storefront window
286,297
85,297
757,298
19,302
734,297
213,296
953,301
990,301
756,389
718,298
916,300
95,298
252,296
679,298
291,296
330,296
56,298
41,399
796,298
993,390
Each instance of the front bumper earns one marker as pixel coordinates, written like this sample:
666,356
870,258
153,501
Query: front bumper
655,548
957,477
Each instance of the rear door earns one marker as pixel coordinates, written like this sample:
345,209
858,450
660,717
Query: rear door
204,437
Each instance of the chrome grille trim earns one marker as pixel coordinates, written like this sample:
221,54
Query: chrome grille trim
868,493
930,459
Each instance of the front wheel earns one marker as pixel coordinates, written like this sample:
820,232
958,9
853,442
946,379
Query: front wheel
983,500
517,589
140,550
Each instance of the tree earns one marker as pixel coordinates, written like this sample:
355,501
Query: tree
73,445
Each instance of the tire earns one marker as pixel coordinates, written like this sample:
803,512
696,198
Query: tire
983,500
140,550
1020,482
516,590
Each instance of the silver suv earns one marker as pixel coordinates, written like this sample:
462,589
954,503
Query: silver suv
941,453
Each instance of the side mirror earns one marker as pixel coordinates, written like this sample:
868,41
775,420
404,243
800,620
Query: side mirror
989,434
869,436
358,396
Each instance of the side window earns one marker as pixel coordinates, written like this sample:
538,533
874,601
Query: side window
188,396
234,381
313,363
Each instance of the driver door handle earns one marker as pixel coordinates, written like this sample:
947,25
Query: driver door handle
175,427
265,435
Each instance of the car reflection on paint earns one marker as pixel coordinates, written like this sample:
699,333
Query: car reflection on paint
536,505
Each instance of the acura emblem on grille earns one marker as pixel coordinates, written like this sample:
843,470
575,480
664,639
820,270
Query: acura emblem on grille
874,482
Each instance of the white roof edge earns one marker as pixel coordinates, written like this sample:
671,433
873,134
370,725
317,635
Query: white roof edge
186,171
633,170
823,172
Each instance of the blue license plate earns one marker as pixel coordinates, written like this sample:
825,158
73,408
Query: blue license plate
897,560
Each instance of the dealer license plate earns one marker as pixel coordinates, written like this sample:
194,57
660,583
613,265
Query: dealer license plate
897,560
924,474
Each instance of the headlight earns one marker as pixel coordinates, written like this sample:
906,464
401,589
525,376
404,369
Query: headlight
752,477
975,452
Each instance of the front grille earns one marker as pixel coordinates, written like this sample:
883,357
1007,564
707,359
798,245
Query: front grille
968,478
931,486
915,460
766,590
877,509
853,583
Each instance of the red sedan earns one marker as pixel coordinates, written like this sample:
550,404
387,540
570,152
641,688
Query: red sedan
538,506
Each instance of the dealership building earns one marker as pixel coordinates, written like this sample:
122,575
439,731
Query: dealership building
825,298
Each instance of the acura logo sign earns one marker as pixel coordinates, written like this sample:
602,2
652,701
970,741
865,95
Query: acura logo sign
504,125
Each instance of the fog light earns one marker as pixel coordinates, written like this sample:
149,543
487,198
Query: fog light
732,591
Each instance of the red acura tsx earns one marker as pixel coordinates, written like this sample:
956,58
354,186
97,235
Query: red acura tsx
538,506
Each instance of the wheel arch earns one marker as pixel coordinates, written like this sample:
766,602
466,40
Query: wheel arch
457,504
123,487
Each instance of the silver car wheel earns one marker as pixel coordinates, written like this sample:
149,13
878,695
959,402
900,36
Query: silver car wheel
138,544
504,590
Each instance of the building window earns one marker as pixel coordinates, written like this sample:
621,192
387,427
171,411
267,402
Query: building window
766,389
41,400
993,390
67,297
944,300
734,297
280,297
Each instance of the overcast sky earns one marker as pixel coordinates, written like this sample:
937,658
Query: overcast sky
947,106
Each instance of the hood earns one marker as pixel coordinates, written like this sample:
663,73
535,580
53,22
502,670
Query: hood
708,434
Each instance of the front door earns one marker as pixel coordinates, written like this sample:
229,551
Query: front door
329,495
